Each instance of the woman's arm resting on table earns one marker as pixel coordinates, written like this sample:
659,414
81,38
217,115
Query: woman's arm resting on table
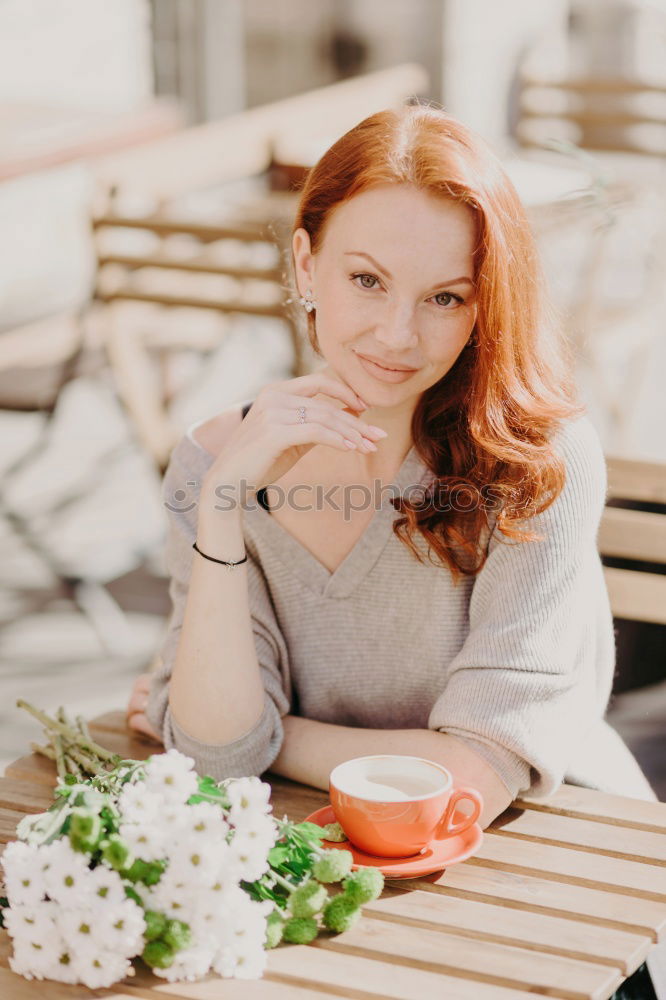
312,749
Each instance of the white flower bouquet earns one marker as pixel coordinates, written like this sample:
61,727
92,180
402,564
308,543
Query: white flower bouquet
147,860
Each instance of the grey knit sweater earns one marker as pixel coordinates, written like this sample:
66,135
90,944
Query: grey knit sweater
517,662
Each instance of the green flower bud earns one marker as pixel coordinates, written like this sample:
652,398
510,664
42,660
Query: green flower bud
156,924
340,914
148,872
300,930
333,865
363,885
85,829
308,899
158,955
334,833
116,852
177,935
274,929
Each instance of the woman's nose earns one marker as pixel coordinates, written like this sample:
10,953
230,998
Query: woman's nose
398,329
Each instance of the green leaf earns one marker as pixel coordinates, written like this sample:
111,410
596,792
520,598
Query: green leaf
309,830
278,855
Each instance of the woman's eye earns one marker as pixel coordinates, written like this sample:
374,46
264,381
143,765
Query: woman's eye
364,284
449,296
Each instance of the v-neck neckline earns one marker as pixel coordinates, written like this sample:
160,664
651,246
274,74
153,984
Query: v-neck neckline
359,560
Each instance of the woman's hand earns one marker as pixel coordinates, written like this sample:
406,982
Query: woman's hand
271,439
136,707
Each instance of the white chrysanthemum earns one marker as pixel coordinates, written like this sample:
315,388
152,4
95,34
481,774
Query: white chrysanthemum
37,945
249,858
251,961
189,964
66,874
224,962
106,885
138,804
147,841
196,864
120,928
76,928
259,835
247,795
33,920
173,896
24,882
171,775
64,968
101,968
200,822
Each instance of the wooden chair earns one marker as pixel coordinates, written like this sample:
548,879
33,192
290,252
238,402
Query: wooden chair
614,114
633,532
124,277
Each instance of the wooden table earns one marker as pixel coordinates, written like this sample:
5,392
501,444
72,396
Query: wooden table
565,898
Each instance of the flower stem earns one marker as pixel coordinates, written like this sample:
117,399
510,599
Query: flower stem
45,751
59,756
86,761
65,730
83,727
282,881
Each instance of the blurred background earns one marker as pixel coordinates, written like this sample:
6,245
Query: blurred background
150,154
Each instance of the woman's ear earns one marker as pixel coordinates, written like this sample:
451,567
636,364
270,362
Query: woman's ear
303,260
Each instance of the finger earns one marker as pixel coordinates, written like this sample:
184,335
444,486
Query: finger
137,703
351,427
143,682
285,435
310,385
140,723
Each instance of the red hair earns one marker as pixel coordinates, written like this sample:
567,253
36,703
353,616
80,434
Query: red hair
485,429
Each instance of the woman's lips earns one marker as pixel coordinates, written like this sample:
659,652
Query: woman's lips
384,374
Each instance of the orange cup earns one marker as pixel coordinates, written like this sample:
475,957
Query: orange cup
394,805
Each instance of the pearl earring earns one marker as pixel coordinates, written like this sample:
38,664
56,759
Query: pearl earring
308,302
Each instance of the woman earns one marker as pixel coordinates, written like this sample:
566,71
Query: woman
474,628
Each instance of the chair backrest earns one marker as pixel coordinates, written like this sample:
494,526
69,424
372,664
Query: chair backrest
633,535
617,114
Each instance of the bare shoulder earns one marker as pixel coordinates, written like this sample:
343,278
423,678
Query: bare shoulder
213,434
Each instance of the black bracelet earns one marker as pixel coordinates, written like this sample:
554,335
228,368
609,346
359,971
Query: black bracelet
222,562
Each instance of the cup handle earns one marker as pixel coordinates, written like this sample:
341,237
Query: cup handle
445,827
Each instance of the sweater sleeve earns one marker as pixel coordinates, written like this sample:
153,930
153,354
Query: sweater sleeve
535,671
253,752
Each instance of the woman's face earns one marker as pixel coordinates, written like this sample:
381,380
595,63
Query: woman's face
393,282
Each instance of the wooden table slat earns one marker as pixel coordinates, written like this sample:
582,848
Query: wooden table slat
9,819
572,831
555,898
480,961
214,988
32,768
29,797
572,866
571,800
518,928
364,978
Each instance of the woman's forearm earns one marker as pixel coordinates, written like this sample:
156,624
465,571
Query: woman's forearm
216,693
312,749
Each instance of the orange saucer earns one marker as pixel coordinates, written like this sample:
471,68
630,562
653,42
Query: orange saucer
438,855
